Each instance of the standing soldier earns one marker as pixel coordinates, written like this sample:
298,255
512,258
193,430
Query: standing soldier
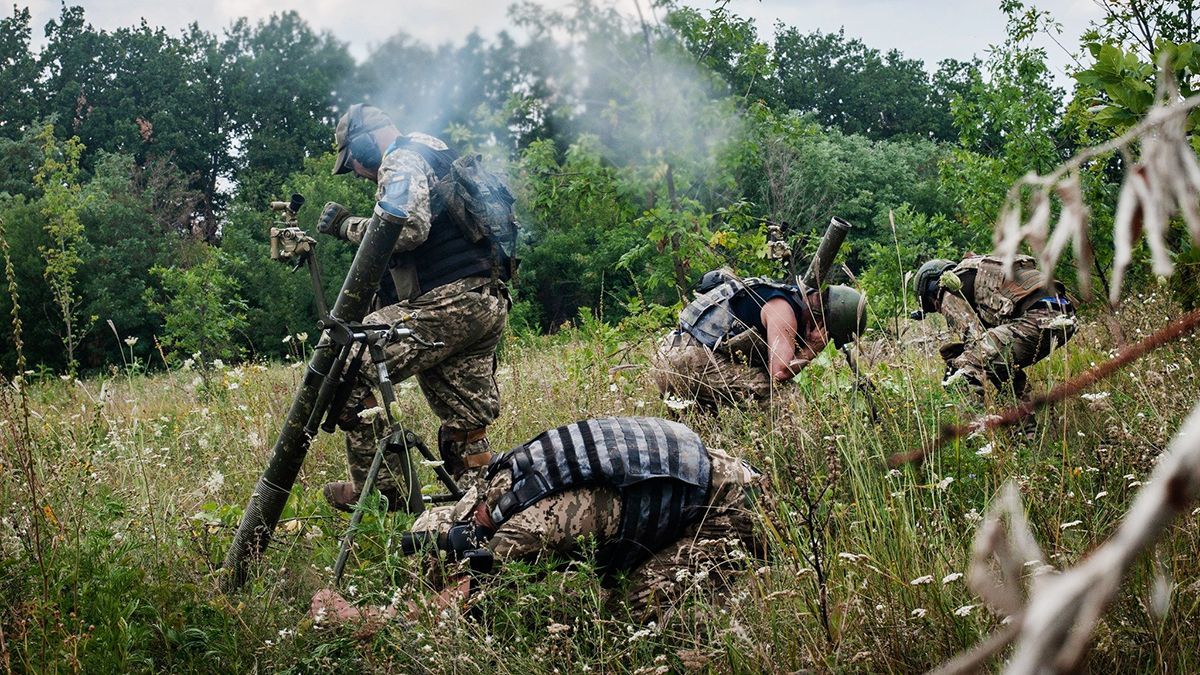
445,285
658,505
999,326
739,336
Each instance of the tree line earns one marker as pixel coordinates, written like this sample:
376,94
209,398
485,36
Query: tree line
135,164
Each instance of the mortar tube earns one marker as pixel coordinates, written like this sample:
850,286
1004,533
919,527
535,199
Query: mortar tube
822,261
274,487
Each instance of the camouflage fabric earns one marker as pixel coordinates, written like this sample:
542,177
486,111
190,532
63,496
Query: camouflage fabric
685,368
457,378
404,177
1001,353
703,560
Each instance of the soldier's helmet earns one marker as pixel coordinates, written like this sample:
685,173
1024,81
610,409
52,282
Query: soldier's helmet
845,312
926,282
353,137
711,280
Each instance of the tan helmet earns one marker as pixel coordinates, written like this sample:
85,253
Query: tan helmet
845,313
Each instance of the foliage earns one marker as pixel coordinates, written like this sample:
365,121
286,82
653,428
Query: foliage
203,314
59,205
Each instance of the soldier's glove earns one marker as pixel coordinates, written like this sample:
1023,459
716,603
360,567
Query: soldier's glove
917,315
332,220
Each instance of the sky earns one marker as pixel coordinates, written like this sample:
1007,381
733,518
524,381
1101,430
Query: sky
929,30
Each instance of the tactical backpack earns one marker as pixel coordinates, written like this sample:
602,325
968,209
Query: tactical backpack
479,202
999,299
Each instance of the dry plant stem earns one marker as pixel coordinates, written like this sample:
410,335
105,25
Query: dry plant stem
1064,608
973,660
1173,331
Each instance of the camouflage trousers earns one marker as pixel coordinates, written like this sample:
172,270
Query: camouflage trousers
685,368
1001,354
457,377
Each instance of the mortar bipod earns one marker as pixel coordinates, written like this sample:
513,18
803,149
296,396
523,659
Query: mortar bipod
399,440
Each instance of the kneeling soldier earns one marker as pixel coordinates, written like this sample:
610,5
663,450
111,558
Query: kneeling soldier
659,507
741,335
999,326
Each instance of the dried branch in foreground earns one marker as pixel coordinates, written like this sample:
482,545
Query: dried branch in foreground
1055,625
1171,332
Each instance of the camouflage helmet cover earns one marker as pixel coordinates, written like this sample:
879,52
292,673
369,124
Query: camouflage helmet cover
358,120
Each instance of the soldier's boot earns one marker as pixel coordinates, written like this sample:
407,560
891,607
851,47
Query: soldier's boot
465,451
343,496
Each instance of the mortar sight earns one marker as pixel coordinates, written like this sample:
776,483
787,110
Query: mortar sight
291,207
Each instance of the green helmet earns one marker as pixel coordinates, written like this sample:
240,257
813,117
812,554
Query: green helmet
845,313
926,280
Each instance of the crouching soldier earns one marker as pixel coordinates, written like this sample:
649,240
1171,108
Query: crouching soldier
740,336
643,496
999,326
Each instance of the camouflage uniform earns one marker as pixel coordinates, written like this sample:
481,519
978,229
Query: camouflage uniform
703,559
466,315
1004,326
685,368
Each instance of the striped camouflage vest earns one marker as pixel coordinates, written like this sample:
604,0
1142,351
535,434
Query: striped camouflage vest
661,469
999,299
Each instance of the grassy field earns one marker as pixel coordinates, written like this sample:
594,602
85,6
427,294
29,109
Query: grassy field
118,497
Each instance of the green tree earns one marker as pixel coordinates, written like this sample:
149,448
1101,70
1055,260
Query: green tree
201,306
59,205
19,85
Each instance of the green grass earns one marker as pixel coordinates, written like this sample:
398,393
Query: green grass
108,563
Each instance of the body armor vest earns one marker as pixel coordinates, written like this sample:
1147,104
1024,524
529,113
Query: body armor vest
446,255
998,299
661,469
710,319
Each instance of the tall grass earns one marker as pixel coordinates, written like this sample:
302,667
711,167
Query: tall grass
118,500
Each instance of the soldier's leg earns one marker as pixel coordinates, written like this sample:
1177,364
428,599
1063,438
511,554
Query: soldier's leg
404,358
461,389
702,563
688,369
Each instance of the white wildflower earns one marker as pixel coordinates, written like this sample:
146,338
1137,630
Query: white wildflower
613,387
949,578
927,579
945,482
919,613
287,339
964,610
1067,526
677,403
558,628
432,463
1101,494
1061,321
215,482
131,340
1095,397
985,451
218,364
370,414
233,384
301,337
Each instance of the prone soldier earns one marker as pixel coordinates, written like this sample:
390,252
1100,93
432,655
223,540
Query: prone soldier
999,326
659,506
445,285
741,336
